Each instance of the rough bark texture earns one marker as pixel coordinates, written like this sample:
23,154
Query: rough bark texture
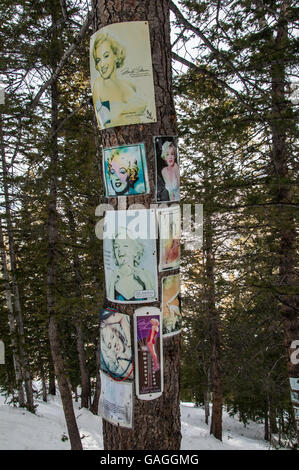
156,423
215,360
285,218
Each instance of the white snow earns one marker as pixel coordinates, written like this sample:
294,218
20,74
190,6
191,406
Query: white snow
21,430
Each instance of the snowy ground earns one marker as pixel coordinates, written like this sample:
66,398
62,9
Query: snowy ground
21,430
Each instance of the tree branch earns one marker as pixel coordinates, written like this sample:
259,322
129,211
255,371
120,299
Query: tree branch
211,75
205,40
62,62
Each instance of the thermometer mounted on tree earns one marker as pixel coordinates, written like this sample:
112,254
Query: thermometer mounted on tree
148,353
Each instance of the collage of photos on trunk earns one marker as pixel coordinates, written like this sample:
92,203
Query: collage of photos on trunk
141,248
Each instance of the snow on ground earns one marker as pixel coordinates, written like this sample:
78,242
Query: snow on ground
21,430
196,434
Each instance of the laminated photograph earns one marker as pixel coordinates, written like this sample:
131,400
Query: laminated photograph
171,305
125,170
295,397
116,352
169,223
130,259
167,169
121,75
294,383
116,402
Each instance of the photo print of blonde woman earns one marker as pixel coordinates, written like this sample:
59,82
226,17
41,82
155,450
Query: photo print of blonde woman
171,305
130,259
116,353
125,170
167,169
169,222
121,75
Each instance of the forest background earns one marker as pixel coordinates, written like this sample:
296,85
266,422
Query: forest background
234,69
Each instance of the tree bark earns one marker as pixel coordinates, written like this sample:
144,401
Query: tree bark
207,399
95,404
85,381
12,323
266,423
286,230
215,360
15,287
156,423
52,384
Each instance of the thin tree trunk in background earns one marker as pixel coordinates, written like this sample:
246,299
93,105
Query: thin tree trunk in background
286,230
55,343
98,270
156,423
85,380
12,323
95,404
16,295
207,399
272,416
43,378
215,360
266,424
52,384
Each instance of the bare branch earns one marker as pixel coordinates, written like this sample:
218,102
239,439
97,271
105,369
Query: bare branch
205,40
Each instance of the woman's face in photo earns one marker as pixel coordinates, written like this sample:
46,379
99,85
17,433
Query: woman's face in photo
105,60
113,341
118,176
170,158
124,252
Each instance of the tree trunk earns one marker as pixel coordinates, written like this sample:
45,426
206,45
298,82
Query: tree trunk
12,323
52,384
286,230
15,287
207,399
266,424
55,344
42,374
216,373
95,404
85,381
156,423
272,415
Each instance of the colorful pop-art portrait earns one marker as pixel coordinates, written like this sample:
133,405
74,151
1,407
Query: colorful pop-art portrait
121,75
116,351
130,257
167,169
169,222
171,305
125,170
